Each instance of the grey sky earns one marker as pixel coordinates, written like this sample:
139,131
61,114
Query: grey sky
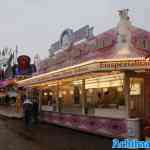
35,24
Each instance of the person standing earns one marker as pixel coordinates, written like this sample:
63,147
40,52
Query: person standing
27,107
7,99
35,111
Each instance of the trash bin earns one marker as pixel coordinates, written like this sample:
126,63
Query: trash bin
147,133
134,128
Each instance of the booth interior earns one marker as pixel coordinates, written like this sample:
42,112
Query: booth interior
97,94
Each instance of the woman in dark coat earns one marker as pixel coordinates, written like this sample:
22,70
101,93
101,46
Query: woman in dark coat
35,111
27,107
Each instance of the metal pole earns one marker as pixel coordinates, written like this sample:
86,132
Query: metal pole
57,97
83,97
126,93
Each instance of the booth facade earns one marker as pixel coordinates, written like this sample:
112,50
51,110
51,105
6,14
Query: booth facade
97,84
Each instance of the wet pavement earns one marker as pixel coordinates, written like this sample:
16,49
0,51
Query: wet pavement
15,136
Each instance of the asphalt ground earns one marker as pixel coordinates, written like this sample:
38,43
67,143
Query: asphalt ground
14,135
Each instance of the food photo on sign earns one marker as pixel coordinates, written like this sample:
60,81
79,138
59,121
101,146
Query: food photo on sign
23,67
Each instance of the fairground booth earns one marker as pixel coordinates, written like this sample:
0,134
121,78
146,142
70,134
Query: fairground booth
7,91
98,84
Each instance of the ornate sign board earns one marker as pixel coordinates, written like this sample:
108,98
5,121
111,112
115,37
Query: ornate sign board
68,37
125,65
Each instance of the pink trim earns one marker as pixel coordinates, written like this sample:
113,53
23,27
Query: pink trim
110,127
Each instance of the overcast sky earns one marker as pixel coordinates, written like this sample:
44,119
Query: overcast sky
34,24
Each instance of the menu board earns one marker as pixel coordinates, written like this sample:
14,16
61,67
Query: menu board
135,89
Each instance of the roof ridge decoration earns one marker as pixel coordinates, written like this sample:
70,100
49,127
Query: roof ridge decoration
124,14
124,29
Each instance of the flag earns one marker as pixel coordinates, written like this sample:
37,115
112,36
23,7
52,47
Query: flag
16,54
3,52
13,57
6,50
16,50
10,59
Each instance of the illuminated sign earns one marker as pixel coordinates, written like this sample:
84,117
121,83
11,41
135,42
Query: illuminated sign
94,67
129,65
